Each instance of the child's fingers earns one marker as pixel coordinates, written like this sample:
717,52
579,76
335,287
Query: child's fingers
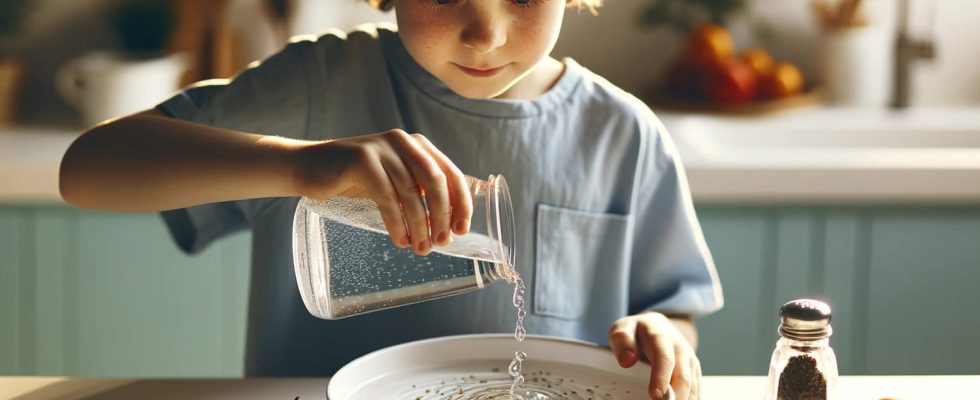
660,353
696,386
383,194
427,172
461,204
622,341
412,203
683,377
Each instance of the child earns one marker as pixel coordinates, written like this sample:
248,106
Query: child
608,243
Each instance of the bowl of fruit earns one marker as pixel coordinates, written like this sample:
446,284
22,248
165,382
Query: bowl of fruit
711,76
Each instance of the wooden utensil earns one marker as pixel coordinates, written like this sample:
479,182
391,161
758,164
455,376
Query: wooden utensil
842,15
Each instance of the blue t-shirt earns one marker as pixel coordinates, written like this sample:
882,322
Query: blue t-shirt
605,226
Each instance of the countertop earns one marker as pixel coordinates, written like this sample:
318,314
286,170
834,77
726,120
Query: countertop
714,387
826,155
814,156
29,160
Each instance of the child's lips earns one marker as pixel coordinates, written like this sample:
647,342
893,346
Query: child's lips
480,72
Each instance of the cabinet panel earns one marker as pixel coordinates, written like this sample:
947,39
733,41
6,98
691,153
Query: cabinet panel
235,274
12,223
109,294
844,277
924,277
795,261
766,257
144,307
729,340
54,245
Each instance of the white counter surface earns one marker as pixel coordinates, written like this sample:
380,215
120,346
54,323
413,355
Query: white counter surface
832,156
810,156
713,387
29,162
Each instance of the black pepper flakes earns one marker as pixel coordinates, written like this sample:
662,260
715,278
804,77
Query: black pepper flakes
801,380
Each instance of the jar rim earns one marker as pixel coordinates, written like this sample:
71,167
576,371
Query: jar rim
500,216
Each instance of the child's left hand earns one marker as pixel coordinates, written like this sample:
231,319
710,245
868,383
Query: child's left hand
672,359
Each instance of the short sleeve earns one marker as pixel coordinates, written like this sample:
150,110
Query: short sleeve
672,270
268,97
193,228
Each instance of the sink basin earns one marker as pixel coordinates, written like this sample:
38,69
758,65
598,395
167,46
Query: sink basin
827,154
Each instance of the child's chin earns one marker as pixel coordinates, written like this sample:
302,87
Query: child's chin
477,93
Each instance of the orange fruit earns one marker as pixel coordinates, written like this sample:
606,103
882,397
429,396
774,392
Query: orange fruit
759,60
786,80
709,44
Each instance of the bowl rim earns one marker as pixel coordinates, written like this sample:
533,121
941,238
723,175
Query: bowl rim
354,365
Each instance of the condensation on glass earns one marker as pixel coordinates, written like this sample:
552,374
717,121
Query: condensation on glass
346,265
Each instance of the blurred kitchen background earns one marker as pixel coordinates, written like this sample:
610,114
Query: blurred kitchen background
855,179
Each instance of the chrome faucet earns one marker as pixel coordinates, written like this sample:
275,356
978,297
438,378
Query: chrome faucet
907,50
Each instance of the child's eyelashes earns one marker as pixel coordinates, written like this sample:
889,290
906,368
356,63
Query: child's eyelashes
527,3
437,3
444,3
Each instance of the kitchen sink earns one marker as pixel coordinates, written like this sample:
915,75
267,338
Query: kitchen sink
828,154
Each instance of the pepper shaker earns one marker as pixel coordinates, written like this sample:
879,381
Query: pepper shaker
803,365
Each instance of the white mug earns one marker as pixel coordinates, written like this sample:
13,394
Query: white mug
857,66
104,85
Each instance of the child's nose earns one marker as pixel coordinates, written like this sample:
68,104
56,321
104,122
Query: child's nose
484,34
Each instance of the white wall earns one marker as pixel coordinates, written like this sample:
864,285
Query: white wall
955,77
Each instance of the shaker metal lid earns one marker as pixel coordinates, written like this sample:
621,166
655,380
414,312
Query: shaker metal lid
805,319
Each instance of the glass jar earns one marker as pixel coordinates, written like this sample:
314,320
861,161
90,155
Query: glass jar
803,365
345,264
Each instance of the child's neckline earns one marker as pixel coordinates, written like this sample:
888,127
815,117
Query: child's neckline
548,74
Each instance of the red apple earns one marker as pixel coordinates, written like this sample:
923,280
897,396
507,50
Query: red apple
732,82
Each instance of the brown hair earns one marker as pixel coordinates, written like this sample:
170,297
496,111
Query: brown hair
591,5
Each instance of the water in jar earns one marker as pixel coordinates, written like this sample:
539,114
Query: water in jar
347,265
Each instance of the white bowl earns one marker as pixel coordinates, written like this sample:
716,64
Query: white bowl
449,364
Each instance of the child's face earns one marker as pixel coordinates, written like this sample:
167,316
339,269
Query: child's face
479,48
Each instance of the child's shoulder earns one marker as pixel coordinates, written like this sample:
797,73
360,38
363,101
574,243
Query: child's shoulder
603,98
364,38
334,55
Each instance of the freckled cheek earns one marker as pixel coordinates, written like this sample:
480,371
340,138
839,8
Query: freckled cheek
433,36
534,38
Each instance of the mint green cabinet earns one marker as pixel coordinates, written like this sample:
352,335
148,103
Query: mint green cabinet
923,302
12,262
902,283
730,340
109,294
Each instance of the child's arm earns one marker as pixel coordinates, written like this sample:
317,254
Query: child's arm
150,162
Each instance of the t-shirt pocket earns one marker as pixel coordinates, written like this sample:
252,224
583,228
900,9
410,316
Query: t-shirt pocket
571,246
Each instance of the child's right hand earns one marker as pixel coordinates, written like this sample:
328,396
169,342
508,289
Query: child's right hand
395,170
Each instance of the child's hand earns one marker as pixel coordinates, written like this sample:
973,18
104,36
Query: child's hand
672,359
395,170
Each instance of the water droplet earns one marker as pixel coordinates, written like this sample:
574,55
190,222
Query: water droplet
515,387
